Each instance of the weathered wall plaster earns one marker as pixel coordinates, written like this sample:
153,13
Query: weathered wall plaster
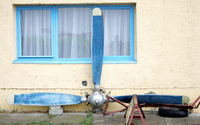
168,51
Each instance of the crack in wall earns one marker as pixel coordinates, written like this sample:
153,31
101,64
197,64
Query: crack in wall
92,88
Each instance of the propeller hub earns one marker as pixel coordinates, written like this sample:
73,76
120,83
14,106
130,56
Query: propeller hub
97,99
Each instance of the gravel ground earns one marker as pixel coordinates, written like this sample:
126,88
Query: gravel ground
98,119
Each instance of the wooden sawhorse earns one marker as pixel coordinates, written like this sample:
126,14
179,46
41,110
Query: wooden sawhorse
131,110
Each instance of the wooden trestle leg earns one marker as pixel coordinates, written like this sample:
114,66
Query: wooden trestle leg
131,110
134,107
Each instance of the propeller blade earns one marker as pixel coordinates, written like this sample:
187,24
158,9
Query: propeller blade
46,99
97,46
155,99
124,98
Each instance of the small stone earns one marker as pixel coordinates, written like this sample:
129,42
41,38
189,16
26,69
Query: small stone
55,110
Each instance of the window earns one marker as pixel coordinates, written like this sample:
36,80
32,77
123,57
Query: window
36,33
74,32
63,34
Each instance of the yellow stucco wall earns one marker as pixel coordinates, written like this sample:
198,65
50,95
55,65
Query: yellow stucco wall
167,50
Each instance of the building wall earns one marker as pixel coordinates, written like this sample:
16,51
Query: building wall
167,50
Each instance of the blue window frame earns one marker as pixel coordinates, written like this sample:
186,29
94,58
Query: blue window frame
52,56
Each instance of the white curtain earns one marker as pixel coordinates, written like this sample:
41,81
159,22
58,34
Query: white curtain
116,32
74,32
36,32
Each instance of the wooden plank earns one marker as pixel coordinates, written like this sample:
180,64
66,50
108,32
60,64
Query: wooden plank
129,111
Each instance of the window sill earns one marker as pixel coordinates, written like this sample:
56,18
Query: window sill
24,61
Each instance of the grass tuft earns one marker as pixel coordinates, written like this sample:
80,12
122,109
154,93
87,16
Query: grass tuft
88,120
39,123
45,123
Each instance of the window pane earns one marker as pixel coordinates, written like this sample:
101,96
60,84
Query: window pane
74,32
36,32
116,32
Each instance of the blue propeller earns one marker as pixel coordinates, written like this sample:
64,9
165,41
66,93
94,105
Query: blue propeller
153,99
47,99
96,98
97,47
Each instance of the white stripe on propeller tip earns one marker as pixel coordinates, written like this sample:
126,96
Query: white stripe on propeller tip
10,99
83,99
96,12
